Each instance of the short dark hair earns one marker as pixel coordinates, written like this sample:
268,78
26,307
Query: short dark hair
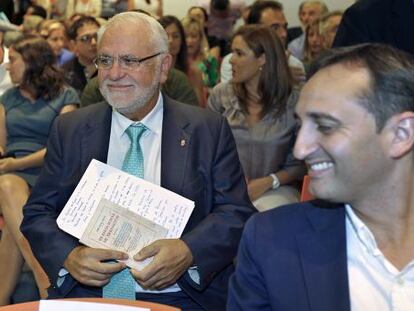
391,72
41,76
72,32
258,7
275,82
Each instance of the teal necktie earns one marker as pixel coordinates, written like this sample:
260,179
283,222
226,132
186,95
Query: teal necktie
122,284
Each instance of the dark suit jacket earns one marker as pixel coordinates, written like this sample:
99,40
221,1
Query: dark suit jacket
75,75
381,21
292,258
205,170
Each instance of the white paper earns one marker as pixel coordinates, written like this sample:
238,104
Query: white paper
53,305
100,180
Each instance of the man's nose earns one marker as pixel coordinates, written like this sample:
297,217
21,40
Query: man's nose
116,70
305,143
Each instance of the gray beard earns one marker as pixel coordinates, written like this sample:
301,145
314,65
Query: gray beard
137,103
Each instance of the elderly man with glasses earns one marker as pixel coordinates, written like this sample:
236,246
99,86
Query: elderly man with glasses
182,148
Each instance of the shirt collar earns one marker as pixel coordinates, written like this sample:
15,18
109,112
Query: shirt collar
362,231
152,121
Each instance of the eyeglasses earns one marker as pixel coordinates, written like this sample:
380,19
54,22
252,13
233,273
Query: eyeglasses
88,38
128,62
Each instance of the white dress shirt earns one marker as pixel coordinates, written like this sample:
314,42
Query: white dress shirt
150,143
374,283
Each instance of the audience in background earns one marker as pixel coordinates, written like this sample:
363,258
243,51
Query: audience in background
329,24
269,13
153,7
314,44
202,64
5,81
176,42
259,105
26,114
83,34
223,14
87,7
200,14
55,34
309,12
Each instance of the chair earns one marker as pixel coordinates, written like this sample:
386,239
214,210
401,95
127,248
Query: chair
34,305
305,195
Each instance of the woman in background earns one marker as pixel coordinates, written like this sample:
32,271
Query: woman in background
55,34
314,45
202,63
176,42
26,115
259,106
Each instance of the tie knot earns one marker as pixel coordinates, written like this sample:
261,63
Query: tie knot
135,131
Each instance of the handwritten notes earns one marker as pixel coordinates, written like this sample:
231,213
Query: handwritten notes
141,197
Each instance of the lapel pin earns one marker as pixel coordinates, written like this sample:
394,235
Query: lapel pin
183,142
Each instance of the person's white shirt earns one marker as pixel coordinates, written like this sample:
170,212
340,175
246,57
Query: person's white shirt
5,81
296,46
374,283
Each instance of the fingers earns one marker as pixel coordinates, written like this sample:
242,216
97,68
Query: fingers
171,259
148,251
87,265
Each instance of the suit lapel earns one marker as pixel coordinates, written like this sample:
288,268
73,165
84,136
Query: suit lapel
95,136
176,140
324,260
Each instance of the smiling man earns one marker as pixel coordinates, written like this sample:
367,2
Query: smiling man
353,249
185,149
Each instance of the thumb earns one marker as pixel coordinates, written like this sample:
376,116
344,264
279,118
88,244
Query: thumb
147,251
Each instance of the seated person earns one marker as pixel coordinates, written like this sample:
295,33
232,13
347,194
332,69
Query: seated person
204,66
83,37
55,34
259,105
26,115
185,149
353,248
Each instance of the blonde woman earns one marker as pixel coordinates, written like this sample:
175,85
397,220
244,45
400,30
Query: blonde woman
203,64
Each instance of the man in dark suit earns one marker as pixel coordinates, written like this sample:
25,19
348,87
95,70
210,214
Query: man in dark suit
354,248
381,21
185,149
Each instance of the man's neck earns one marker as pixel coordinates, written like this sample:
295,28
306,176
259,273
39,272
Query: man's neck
390,217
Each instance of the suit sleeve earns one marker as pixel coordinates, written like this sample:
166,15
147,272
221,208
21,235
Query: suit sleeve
50,245
247,289
214,241
352,29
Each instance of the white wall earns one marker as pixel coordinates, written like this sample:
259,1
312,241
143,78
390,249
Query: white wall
179,7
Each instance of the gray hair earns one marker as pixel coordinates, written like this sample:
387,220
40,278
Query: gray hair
322,5
158,35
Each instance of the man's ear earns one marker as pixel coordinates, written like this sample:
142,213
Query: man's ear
165,67
403,134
